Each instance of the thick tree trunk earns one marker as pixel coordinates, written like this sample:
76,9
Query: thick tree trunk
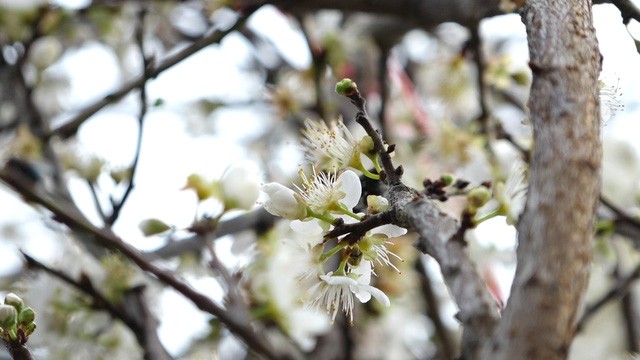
556,229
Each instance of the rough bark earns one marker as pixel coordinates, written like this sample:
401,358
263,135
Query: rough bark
557,226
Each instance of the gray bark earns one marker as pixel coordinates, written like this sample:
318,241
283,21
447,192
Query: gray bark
556,229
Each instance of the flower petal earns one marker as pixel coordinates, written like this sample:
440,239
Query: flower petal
309,227
390,230
352,188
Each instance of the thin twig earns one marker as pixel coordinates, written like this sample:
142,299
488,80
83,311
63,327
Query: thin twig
437,232
107,239
383,82
259,220
356,230
145,334
211,37
99,301
478,57
147,63
96,200
616,292
393,175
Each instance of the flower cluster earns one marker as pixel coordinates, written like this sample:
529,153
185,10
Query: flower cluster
16,321
322,202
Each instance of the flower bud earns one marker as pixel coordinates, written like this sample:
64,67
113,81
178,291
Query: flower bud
30,328
239,187
346,87
14,300
282,202
376,204
26,316
8,316
447,179
479,196
203,188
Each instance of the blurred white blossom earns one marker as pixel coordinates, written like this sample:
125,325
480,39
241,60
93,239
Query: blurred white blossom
282,202
239,186
330,146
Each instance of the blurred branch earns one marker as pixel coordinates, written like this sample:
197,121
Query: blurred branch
425,14
240,326
259,220
475,43
446,347
144,329
213,36
318,58
624,224
627,8
619,290
383,82
96,201
147,63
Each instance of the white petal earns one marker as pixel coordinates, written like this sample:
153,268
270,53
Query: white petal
362,294
363,271
352,188
309,227
281,201
390,230
338,280
380,296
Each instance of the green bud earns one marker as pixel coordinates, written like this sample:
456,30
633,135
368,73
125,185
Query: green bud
14,300
479,196
30,328
26,316
151,227
8,317
376,204
204,189
346,87
365,145
447,179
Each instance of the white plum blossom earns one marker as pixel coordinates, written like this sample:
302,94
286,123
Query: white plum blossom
282,202
509,198
282,279
334,291
324,192
329,146
373,244
239,186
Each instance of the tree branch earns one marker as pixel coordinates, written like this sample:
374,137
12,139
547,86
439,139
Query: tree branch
213,36
556,230
104,237
147,63
439,236
138,318
618,291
